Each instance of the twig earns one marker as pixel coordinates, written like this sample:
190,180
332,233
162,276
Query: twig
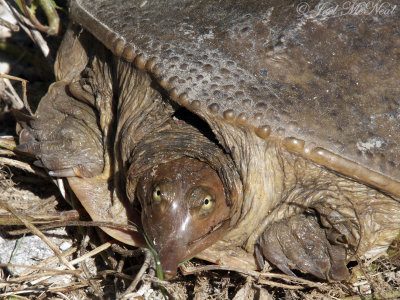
76,223
156,280
93,284
126,252
62,295
51,289
115,274
68,288
281,285
192,270
145,286
6,152
31,291
22,165
139,275
9,25
120,267
291,278
51,13
6,218
99,249
40,268
18,103
7,142
15,99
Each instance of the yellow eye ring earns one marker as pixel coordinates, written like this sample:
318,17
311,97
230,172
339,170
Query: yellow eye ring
208,204
157,195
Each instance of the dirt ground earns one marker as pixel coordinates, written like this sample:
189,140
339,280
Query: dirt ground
80,262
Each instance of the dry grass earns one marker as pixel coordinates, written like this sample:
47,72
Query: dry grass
92,266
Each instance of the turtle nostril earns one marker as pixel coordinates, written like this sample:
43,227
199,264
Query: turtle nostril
169,275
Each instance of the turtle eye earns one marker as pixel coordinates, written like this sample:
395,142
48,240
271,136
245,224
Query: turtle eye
208,204
157,195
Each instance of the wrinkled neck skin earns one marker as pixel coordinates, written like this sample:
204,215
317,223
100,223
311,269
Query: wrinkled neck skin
140,109
263,182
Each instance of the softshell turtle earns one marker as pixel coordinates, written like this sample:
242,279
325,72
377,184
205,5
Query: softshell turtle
239,130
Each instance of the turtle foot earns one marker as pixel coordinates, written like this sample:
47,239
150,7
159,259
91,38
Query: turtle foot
63,136
300,243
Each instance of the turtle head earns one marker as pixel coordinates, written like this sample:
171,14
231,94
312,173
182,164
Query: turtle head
184,210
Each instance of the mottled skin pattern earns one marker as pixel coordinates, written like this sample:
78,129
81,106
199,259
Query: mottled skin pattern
298,162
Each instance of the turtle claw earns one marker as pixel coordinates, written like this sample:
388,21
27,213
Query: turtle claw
25,136
282,265
70,172
24,148
285,269
300,243
39,164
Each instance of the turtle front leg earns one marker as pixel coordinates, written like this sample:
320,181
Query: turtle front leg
65,137
64,133
301,243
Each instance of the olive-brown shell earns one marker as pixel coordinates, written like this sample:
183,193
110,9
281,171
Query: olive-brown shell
324,86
